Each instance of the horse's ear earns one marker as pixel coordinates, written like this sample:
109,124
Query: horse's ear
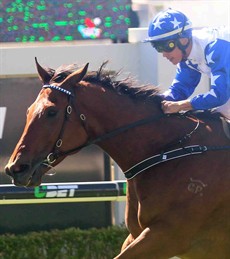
76,76
44,76
82,72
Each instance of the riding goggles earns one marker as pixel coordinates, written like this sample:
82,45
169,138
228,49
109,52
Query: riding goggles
164,46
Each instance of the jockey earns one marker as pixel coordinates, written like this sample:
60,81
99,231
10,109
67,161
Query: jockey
194,52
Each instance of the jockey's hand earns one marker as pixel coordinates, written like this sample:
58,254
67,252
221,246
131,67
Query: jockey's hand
174,107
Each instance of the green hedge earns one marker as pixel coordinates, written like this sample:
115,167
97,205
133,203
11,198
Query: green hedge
71,243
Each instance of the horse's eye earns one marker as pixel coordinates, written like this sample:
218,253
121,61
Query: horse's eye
51,112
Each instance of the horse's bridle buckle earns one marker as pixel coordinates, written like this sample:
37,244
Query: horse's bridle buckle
51,158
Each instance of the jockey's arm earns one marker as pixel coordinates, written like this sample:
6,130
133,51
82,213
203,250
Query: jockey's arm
219,93
184,84
217,56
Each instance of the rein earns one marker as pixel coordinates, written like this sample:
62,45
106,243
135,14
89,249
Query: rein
146,163
114,133
53,156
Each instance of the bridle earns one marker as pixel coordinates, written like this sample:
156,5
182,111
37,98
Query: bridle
164,156
51,158
55,154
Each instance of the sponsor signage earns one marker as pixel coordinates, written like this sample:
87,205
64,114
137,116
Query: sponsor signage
62,191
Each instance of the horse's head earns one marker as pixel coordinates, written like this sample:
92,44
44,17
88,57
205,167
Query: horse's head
50,115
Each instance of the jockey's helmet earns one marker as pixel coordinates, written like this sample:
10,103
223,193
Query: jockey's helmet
169,25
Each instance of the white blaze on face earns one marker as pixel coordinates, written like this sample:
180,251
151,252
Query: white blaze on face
40,106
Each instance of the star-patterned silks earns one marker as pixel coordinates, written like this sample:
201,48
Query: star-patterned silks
213,79
209,58
210,55
190,64
175,23
210,93
175,81
157,24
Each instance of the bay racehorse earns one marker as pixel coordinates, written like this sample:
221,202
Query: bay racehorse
177,166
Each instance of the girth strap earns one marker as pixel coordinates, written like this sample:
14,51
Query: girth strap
169,155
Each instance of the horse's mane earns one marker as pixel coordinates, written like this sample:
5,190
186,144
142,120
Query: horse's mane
127,86
109,79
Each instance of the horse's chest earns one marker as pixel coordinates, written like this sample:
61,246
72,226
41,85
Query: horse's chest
157,199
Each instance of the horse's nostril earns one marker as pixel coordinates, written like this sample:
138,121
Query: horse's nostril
21,168
16,169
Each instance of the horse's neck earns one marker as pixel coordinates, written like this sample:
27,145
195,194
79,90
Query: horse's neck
106,111
142,142
137,143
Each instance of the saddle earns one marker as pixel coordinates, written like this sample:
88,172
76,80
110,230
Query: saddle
215,116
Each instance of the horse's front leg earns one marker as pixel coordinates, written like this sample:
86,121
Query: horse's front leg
127,242
132,248
152,243
131,216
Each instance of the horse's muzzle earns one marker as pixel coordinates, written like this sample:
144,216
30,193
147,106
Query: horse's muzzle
22,174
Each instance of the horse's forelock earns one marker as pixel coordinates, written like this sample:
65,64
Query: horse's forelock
50,71
62,72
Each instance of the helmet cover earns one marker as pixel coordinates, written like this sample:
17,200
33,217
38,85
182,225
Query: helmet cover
168,25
